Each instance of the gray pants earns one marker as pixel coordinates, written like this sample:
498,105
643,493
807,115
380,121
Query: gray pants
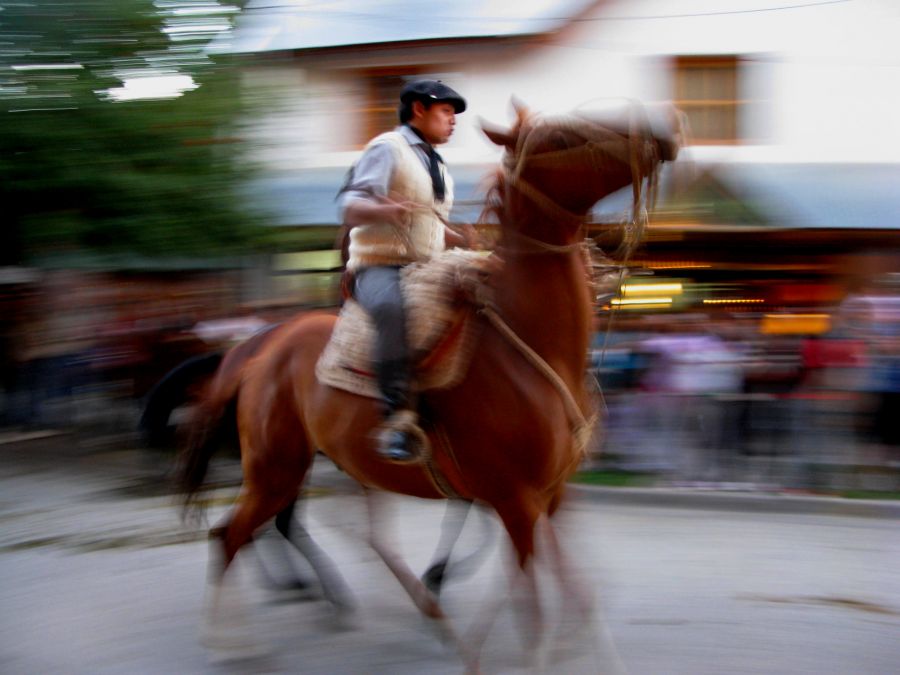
377,289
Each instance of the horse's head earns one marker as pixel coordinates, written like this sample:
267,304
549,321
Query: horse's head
560,166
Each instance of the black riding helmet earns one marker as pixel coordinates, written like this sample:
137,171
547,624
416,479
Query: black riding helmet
429,91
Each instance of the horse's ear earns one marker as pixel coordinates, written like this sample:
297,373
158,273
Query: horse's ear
520,108
670,128
498,135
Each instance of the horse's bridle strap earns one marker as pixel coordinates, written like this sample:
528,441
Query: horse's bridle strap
627,149
537,246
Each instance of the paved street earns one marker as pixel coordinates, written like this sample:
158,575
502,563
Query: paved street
99,576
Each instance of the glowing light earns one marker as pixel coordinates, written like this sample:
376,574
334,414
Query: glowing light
644,289
687,265
733,301
794,324
625,302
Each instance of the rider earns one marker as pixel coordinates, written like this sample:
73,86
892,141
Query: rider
396,203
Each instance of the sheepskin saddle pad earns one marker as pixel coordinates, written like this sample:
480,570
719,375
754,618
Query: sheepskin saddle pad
441,298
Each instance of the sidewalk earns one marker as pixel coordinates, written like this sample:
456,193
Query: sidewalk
781,501
51,447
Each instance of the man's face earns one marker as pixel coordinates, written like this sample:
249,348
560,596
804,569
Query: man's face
435,123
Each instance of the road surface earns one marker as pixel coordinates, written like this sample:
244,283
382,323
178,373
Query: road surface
99,575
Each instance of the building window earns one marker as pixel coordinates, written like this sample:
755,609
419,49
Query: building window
706,88
383,96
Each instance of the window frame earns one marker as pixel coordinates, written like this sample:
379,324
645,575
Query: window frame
732,105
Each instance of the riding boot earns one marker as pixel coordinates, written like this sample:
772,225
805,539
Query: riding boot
393,380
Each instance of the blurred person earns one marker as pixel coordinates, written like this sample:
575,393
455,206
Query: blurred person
695,376
877,317
834,375
887,392
44,359
395,205
833,371
8,363
771,409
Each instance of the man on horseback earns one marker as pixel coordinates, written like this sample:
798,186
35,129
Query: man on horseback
396,203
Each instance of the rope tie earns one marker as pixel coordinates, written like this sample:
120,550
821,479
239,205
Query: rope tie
582,427
537,246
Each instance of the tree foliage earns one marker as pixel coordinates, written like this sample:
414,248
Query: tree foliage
119,135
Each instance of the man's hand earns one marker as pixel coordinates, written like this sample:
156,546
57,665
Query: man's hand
460,236
380,210
396,213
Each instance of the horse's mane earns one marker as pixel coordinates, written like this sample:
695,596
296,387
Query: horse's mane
494,198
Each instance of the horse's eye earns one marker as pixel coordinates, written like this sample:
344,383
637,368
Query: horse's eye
558,141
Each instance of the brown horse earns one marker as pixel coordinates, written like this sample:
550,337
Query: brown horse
214,382
515,451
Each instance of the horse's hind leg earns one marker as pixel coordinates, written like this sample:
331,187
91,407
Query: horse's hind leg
443,567
333,585
225,624
424,599
267,490
278,568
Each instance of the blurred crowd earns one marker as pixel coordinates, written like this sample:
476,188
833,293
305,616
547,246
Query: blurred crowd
72,355
691,398
729,401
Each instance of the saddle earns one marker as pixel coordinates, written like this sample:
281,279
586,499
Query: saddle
442,296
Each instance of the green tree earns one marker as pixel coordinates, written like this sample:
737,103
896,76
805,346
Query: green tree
119,135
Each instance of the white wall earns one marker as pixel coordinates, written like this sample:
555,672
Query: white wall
828,76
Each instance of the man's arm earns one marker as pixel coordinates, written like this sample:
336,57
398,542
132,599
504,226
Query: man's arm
385,210
365,199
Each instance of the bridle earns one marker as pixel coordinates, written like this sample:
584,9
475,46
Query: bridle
637,149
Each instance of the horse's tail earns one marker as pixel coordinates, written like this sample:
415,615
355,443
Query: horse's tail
214,422
173,390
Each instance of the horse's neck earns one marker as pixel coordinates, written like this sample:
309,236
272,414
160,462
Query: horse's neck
544,297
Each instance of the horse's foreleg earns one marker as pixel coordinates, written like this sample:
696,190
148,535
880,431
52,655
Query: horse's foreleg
441,568
424,599
519,518
576,594
451,528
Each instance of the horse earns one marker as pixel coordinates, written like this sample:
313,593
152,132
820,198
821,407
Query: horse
213,380
516,452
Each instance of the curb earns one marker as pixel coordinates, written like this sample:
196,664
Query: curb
742,501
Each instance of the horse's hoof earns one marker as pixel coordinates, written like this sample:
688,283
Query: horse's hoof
428,603
246,653
434,578
443,631
344,618
295,591
223,646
